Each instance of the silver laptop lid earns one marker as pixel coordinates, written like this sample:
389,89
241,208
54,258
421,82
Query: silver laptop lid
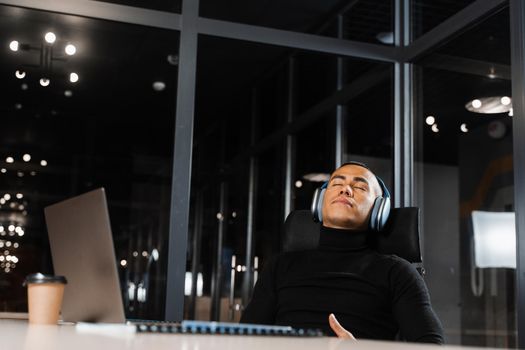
82,250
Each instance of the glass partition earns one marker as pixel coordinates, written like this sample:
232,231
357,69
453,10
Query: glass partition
426,15
464,163
364,20
86,104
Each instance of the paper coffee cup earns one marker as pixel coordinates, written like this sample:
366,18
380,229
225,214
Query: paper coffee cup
44,297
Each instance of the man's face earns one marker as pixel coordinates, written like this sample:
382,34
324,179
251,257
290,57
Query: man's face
349,198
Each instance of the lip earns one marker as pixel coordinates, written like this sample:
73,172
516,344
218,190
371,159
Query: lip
343,201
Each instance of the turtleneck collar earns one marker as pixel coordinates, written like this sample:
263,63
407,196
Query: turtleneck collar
343,240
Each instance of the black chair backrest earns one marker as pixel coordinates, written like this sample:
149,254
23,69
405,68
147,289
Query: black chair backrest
400,235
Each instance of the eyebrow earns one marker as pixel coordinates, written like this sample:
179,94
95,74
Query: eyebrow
356,178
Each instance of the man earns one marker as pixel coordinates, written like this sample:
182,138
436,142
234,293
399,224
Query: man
374,296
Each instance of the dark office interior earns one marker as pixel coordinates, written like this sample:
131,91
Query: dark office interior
283,93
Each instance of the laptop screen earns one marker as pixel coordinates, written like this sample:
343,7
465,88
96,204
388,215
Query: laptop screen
82,250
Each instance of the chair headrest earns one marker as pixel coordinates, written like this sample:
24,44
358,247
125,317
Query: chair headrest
400,235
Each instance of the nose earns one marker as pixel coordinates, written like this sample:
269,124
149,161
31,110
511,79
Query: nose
347,190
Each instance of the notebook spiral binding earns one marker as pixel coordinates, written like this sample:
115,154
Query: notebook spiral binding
224,328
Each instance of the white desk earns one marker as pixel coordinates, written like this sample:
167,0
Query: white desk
17,334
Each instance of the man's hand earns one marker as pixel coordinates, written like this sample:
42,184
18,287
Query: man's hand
338,329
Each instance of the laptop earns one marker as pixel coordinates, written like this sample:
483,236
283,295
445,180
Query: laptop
82,250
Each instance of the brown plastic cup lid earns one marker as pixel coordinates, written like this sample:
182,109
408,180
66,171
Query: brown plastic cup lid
41,278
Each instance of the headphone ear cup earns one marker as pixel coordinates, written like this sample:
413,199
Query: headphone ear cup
317,204
380,213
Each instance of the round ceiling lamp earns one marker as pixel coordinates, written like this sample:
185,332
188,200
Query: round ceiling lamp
50,37
13,45
490,105
70,49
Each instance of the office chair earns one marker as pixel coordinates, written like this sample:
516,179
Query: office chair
400,235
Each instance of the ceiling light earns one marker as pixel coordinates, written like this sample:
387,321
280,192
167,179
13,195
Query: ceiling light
386,37
3,170
19,195
505,100
20,174
43,162
317,177
430,120
18,106
489,105
13,45
73,77
20,74
435,128
2,201
26,157
24,86
50,37
463,127
11,228
123,263
7,196
68,93
159,85
155,254
44,82
492,73
70,49
298,184
173,59
9,160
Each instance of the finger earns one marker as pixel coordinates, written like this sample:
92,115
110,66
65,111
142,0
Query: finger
338,329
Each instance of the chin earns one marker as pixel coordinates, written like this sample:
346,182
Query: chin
344,223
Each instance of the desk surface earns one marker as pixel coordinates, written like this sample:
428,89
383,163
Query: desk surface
17,334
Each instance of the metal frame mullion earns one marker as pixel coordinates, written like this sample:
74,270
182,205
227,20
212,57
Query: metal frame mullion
104,10
340,111
296,40
181,167
517,31
247,285
403,112
290,141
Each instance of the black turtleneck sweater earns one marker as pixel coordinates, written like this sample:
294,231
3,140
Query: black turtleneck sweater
373,296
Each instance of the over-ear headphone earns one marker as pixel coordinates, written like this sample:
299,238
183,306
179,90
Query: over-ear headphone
380,209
